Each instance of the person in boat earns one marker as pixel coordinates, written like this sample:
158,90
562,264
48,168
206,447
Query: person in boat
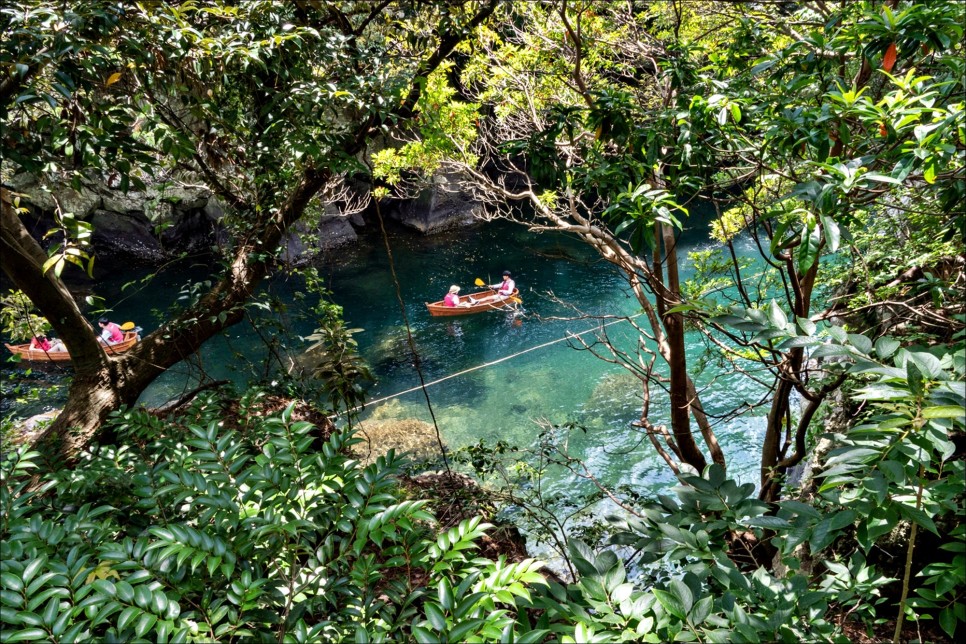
453,297
110,332
40,343
506,287
503,290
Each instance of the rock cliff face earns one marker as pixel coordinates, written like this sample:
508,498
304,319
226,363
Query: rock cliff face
140,227
438,208
166,219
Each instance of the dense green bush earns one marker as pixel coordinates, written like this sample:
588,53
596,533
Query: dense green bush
202,533
225,527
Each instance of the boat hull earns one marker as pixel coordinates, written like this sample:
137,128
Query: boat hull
438,309
39,355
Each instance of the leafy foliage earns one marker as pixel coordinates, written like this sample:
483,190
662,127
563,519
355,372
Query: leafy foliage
336,363
19,317
211,533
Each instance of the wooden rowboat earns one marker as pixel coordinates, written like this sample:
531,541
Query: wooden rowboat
439,309
39,355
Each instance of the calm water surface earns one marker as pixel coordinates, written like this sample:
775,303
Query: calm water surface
509,400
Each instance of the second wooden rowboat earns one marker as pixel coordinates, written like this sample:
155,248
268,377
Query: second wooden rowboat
439,309
39,355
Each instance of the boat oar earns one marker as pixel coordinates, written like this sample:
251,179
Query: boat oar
128,326
514,299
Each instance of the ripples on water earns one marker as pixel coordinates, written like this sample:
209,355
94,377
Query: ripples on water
505,401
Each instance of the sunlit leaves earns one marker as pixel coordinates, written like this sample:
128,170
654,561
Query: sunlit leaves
447,128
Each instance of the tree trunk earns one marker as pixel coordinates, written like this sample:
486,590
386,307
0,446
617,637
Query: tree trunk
102,383
780,412
677,360
120,380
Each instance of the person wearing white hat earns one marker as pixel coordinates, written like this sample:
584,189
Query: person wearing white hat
453,298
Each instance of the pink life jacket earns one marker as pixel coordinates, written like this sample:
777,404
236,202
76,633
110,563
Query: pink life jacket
506,288
116,334
451,299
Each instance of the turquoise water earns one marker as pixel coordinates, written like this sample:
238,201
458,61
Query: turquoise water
561,282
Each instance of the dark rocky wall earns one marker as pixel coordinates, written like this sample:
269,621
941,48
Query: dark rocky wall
165,220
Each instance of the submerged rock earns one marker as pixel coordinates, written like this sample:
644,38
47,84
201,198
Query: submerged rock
614,389
415,439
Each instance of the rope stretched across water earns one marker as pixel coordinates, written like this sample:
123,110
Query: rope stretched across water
569,336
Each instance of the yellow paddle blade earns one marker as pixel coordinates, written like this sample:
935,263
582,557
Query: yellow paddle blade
516,300
479,282
127,326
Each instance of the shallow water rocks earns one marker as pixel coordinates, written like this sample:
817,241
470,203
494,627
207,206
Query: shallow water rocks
415,439
613,389
302,243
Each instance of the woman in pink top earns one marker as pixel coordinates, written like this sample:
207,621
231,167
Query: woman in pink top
503,290
110,332
40,342
452,298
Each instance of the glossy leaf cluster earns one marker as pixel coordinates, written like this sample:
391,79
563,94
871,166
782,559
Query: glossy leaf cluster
196,531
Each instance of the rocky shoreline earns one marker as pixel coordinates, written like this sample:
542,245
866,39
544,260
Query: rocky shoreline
169,218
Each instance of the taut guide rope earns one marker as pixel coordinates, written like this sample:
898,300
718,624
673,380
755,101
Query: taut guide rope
409,337
423,386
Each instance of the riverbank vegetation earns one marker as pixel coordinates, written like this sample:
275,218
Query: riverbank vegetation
832,138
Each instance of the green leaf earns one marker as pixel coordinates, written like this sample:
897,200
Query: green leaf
832,233
793,343
918,516
144,624
882,178
701,610
827,350
886,346
670,603
445,594
948,621
838,333
435,617
860,342
128,614
735,112
806,325
826,531
893,471
769,522
26,635
776,316
31,569
913,378
11,581
808,251
50,610
423,636
943,411
458,632
683,593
